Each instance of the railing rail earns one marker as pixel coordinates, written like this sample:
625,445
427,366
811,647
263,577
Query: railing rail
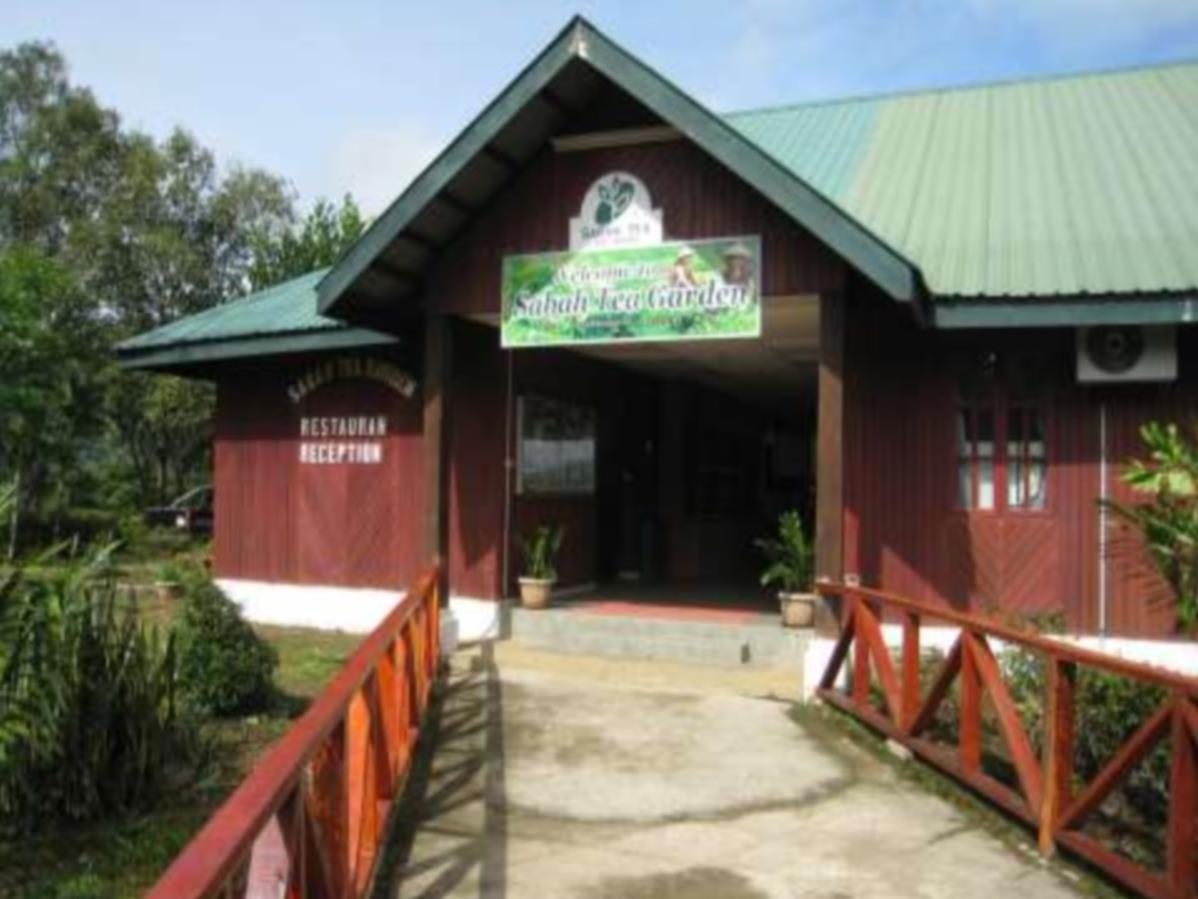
1044,795
308,820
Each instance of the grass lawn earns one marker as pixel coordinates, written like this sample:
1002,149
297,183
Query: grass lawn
124,858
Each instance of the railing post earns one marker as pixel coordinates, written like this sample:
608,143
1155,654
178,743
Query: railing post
435,619
1057,753
357,777
1183,802
910,686
860,651
969,736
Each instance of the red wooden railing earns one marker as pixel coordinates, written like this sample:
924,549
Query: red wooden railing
309,819
1045,796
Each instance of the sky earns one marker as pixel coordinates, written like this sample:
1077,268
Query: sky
358,95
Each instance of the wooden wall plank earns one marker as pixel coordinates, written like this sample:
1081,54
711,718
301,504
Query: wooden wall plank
284,522
699,199
902,531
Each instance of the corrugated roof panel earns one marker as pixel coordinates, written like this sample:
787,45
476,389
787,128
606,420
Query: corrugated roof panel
1166,165
1085,184
1030,230
822,143
286,308
888,181
948,222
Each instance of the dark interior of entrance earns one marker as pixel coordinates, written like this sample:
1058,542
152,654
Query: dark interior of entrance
698,449
692,476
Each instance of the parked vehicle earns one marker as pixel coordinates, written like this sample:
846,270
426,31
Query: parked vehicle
191,512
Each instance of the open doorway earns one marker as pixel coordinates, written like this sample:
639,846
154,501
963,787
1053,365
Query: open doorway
697,448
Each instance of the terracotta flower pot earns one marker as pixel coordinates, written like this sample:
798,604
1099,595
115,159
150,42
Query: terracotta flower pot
535,592
798,609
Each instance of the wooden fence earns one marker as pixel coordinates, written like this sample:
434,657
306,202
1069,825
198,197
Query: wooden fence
309,819
1045,794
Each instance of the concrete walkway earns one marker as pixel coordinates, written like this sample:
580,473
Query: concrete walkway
565,777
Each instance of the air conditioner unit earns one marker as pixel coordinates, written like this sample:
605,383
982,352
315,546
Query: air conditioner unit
1128,353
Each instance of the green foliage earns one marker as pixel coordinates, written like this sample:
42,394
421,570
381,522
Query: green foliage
321,238
540,552
89,724
105,232
1168,520
1109,709
225,668
164,425
47,394
789,555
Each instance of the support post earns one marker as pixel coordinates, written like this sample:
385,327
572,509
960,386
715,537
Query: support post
1183,802
910,675
829,468
969,734
1057,762
437,361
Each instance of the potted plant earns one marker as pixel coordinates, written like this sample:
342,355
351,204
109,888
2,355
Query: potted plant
540,572
790,569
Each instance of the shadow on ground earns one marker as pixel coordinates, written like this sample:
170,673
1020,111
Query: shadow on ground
534,779
458,773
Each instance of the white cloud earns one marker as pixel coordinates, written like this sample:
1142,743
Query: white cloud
376,164
827,48
1088,26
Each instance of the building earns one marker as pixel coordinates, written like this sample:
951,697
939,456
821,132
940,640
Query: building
934,322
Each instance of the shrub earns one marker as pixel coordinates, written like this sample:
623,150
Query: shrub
88,719
225,667
1109,708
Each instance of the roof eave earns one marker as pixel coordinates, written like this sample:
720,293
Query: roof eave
1059,312
182,356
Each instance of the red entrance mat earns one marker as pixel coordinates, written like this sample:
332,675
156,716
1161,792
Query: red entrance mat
667,613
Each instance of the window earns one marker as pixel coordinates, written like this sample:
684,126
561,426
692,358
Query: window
975,458
1025,458
1001,454
556,447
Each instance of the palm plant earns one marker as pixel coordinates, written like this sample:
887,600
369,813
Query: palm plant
789,556
1168,521
88,718
540,552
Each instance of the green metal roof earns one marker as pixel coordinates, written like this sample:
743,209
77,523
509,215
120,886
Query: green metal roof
1041,203
282,318
1079,185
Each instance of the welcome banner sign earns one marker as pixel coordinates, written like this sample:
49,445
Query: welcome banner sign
693,290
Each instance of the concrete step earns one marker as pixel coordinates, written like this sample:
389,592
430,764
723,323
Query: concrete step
760,644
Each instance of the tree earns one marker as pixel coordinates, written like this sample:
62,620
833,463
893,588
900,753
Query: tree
1168,521
48,387
134,232
322,237
108,232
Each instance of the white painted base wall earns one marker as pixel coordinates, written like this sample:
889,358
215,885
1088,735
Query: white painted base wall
1173,655
355,610
469,618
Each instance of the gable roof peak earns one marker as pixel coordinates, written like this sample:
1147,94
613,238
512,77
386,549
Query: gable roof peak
492,149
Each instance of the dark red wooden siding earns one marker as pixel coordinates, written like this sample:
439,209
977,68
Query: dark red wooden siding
280,521
477,401
699,198
902,531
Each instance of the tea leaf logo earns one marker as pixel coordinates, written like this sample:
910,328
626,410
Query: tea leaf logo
614,198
